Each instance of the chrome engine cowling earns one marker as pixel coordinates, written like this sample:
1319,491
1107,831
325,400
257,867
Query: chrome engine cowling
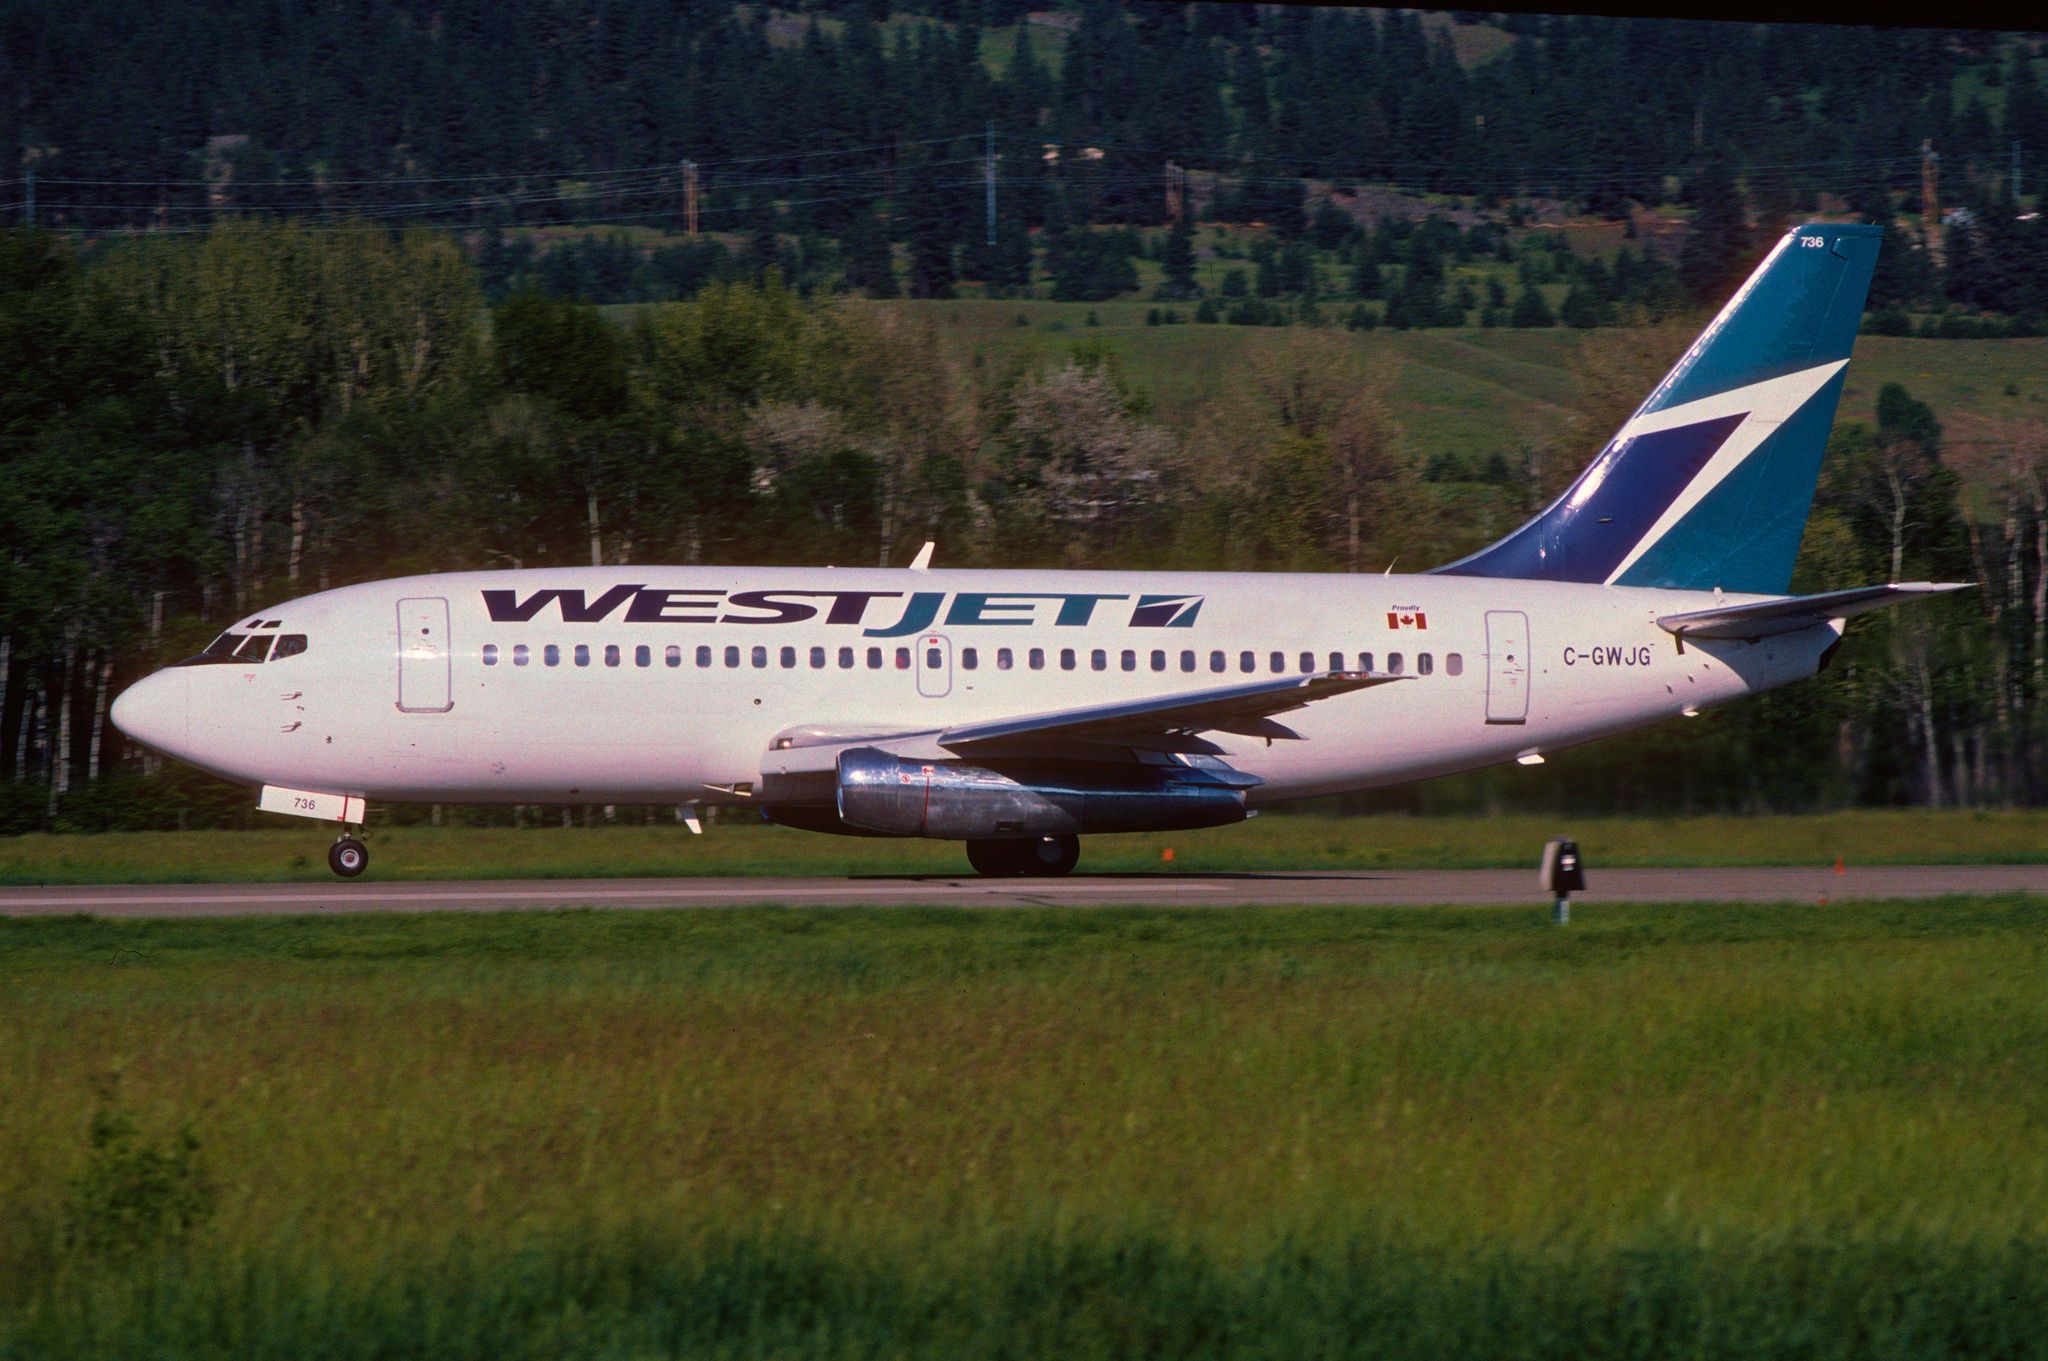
881,792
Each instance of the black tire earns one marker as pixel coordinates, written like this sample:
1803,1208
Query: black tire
996,859
348,857
1048,857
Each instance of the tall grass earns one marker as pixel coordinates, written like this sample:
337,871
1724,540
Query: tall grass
1113,1300
1237,1131
1291,841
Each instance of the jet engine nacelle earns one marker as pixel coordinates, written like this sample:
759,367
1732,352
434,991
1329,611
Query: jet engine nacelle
880,792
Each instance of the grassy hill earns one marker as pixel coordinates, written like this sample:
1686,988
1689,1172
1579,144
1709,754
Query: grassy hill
1469,391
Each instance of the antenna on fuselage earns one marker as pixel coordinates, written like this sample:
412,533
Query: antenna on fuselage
923,561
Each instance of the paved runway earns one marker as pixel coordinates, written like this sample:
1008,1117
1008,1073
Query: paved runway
1391,887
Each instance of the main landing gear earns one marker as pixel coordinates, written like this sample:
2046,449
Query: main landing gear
1043,857
348,857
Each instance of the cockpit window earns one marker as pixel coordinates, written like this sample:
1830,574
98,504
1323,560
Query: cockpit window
245,649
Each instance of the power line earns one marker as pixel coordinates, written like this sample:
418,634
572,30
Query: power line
595,200
587,173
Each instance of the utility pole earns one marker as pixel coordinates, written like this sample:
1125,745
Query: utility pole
690,197
1930,197
989,177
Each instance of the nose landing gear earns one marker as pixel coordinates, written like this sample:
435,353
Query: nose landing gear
348,857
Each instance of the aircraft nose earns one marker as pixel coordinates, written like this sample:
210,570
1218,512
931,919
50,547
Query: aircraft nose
156,710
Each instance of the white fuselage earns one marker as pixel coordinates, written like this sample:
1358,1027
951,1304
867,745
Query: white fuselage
394,700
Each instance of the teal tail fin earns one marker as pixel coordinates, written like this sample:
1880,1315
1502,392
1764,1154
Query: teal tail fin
1710,482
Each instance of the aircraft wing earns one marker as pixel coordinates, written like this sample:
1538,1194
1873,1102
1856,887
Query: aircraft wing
1161,723
1244,709
1790,614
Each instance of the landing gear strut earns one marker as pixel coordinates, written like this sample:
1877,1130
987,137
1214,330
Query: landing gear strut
348,857
1039,857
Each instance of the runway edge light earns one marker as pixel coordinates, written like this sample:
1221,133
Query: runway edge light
1562,875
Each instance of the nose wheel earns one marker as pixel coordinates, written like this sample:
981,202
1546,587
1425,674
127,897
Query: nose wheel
348,857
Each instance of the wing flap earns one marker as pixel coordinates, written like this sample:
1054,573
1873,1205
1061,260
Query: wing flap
1245,709
1157,724
1790,614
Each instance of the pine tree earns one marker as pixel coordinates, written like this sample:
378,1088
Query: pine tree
1964,269
1297,270
1531,309
1903,417
1331,226
1902,276
1010,266
1284,204
1090,266
1420,299
1580,309
2026,117
1716,246
1029,89
1254,104
930,232
1365,273
763,252
1177,259
870,264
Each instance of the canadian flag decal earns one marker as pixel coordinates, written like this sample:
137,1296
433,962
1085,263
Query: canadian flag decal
1407,619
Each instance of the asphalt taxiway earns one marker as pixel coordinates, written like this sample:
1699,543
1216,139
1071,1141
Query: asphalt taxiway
1371,887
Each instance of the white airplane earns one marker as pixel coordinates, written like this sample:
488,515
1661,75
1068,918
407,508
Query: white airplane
1018,710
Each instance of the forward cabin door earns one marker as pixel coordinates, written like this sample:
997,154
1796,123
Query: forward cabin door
425,664
934,666
1507,666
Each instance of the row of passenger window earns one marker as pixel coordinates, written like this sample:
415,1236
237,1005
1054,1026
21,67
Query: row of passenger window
1005,659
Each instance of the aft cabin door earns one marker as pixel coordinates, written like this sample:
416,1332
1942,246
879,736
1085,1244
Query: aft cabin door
425,665
934,666
1507,666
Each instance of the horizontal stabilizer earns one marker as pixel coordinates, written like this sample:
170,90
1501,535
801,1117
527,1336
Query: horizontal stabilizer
1790,614
1246,709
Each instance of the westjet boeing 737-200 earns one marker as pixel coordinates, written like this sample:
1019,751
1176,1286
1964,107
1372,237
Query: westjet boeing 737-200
1019,710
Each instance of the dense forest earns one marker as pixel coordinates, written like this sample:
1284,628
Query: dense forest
311,296
855,143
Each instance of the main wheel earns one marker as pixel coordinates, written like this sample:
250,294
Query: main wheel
348,857
997,859
1049,856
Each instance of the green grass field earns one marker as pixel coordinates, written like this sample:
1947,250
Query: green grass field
1283,841
1703,1131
